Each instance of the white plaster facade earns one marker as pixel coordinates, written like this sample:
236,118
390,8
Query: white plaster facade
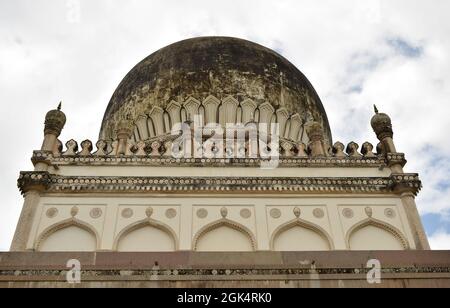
259,221
183,229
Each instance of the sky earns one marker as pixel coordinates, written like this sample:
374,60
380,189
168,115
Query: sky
392,53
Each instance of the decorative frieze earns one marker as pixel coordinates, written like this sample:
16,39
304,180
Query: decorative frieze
242,273
56,183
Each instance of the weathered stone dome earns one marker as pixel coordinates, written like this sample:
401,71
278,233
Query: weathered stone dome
175,82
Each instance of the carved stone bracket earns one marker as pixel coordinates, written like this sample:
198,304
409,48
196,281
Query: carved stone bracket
42,157
34,180
396,158
406,183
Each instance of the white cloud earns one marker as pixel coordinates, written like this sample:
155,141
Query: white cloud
340,46
440,241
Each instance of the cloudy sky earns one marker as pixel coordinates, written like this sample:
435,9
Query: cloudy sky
356,53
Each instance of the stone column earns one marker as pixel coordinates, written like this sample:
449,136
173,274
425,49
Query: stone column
316,139
419,235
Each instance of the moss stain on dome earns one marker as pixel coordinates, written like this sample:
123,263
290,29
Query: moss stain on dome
218,66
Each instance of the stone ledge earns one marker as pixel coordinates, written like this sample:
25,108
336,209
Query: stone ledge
227,270
228,260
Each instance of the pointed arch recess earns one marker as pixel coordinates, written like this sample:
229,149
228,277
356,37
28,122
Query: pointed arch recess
71,222
304,224
379,224
224,223
146,223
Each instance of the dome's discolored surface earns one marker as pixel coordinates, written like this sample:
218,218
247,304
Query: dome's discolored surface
213,66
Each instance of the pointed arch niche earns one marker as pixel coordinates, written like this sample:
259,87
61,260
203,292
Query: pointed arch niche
146,236
224,235
68,235
372,234
300,235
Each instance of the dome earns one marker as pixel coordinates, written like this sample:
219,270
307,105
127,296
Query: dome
225,79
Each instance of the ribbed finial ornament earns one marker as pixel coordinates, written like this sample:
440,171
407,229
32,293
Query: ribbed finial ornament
55,121
381,124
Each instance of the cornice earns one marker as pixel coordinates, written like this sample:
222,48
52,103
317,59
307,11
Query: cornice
396,183
219,273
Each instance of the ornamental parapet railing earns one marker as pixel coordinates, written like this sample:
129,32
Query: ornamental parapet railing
162,151
161,160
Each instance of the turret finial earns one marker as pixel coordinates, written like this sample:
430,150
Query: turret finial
381,124
54,121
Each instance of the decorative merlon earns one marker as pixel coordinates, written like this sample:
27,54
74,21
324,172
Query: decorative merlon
136,160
